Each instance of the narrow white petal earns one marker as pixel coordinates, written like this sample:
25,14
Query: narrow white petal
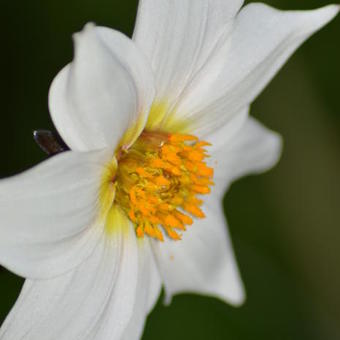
253,150
49,214
224,134
177,36
203,261
98,300
104,92
245,60
139,67
148,291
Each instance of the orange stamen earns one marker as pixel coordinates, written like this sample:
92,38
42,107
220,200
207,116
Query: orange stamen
158,181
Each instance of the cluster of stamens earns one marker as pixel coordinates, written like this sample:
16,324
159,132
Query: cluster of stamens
159,180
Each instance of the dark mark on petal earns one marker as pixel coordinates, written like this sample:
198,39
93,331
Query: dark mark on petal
50,142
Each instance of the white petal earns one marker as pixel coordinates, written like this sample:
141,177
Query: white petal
148,291
140,69
245,60
106,90
49,214
203,261
96,301
223,135
254,149
177,36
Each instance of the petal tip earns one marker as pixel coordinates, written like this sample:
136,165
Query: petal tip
329,12
322,16
238,299
87,30
167,298
277,146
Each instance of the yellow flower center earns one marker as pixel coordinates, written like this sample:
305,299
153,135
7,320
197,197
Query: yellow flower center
158,180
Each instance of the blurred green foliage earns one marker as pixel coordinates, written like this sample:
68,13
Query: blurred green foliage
284,224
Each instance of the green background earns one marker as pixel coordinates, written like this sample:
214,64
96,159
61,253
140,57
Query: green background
284,224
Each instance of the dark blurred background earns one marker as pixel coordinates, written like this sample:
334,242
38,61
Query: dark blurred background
285,224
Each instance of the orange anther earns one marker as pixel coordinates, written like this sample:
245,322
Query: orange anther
185,219
162,181
191,167
201,189
167,149
202,143
171,221
172,233
165,206
194,210
133,196
132,216
158,163
154,219
175,171
172,158
203,170
201,180
195,201
159,235
177,200
141,172
140,232
148,229
175,138
143,209
196,155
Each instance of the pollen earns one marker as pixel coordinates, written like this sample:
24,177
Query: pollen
159,182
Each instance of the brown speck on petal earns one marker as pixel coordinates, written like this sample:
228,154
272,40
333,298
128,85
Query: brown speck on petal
50,142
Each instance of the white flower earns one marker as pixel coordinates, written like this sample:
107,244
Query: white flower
128,110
